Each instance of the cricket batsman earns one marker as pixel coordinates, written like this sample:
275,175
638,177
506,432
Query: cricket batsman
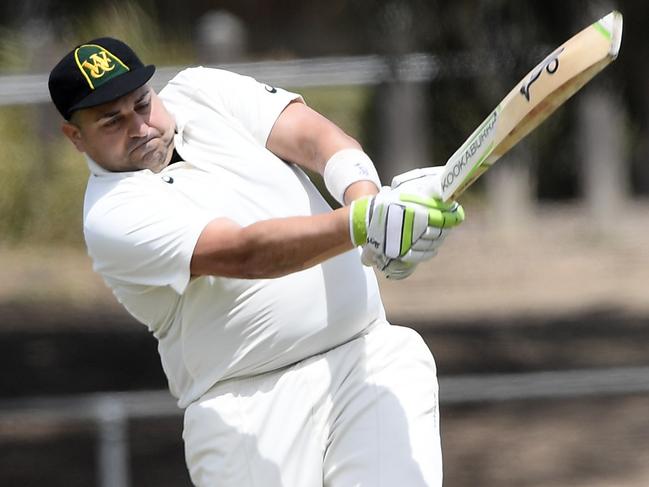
271,331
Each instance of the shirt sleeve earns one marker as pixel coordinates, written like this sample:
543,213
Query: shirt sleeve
140,237
256,106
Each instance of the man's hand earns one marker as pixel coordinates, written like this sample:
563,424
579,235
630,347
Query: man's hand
424,183
397,224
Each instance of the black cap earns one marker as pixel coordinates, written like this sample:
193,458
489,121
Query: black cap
96,72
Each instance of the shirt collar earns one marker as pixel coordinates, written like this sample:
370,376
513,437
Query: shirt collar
96,169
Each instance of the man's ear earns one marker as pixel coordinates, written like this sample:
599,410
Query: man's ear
72,132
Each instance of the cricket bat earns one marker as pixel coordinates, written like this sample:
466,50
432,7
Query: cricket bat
555,79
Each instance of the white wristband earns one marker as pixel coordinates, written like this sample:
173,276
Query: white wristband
345,168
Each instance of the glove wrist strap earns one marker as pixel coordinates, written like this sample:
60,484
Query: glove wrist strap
358,221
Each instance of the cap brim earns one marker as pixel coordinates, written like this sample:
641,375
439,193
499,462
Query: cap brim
116,88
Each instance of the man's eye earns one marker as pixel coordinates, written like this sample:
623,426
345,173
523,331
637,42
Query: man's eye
143,106
111,123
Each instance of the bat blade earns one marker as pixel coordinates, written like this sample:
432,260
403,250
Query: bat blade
555,79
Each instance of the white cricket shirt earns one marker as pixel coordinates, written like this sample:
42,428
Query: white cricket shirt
141,229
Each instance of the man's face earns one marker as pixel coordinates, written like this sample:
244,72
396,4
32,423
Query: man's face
131,133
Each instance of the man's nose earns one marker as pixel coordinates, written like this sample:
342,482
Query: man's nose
137,126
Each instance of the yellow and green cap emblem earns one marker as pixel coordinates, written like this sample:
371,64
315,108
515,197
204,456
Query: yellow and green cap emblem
98,65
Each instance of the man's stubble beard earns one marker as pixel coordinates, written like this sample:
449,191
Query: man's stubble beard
157,159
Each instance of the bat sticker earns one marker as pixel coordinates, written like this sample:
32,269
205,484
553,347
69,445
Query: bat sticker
550,64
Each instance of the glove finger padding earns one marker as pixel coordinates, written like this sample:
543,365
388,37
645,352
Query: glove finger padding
398,269
416,256
390,268
440,214
435,233
427,246
370,258
422,245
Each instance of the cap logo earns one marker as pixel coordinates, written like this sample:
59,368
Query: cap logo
98,65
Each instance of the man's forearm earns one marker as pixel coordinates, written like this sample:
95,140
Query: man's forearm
271,248
301,242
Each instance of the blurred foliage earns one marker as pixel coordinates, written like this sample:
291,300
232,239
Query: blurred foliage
344,104
40,39
15,161
136,25
132,23
42,181
11,51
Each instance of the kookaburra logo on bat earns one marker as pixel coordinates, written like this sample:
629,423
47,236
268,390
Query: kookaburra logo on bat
549,64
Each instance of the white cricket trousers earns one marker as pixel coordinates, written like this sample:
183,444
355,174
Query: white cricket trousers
362,414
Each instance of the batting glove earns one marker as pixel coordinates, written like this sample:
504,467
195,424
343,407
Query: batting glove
400,225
